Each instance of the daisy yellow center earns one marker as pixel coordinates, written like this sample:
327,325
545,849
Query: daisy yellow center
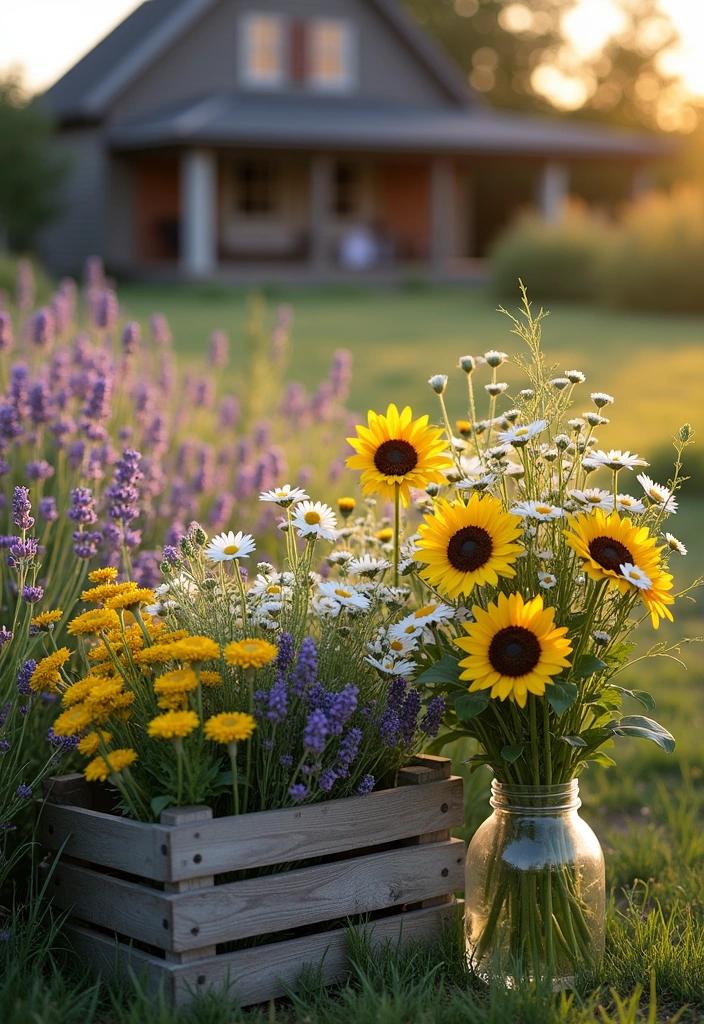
396,457
343,593
383,535
469,549
428,609
410,629
312,518
544,510
250,647
594,498
273,589
231,549
609,553
514,651
281,494
521,432
396,645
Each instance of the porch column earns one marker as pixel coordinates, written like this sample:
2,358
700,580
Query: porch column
198,239
553,190
442,212
320,187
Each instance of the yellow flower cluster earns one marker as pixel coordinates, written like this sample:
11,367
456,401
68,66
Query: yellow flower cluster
229,727
173,725
46,676
250,653
46,619
101,768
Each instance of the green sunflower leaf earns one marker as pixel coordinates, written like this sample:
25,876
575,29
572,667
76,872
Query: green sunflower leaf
446,670
468,705
646,699
574,741
445,738
644,728
619,654
599,757
587,666
513,752
561,696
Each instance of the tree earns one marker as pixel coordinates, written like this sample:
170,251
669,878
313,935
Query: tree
30,172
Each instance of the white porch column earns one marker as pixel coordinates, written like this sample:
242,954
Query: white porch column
442,212
553,190
320,205
198,241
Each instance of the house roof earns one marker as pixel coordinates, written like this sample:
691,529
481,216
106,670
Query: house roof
88,88
293,123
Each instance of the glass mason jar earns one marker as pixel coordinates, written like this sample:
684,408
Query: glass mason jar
535,887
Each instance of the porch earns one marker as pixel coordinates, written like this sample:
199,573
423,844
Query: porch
252,215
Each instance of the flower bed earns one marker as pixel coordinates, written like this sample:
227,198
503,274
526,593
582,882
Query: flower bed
166,889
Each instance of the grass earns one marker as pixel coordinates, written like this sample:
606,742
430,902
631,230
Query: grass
648,812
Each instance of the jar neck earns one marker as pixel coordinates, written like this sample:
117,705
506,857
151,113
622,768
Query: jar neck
535,800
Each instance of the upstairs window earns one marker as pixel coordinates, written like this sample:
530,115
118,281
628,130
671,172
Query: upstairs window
262,54
330,56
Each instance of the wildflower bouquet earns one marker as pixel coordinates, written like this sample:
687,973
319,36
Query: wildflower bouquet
544,575
245,693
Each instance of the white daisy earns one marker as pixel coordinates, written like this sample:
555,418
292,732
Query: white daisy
627,503
594,419
315,520
547,580
521,435
537,510
593,497
368,566
494,358
658,494
560,383
345,594
392,666
340,557
230,545
284,496
178,586
600,399
614,459
325,607
399,646
267,587
161,609
675,545
476,483
635,576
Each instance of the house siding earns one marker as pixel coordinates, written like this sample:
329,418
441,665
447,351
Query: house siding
205,60
80,228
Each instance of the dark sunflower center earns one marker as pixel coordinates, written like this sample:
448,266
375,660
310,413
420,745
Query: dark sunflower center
469,549
396,457
610,553
514,651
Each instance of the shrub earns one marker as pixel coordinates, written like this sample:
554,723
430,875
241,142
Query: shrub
556,261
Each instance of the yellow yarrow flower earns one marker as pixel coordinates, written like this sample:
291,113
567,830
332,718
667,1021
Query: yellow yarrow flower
100,594
46,676
385,534
97,620
346,506
210,679
131,598
176,701
397,451
179,681
195,648
89,744
112,764
171,638
229,727
250,653
173,725
74,720
159,654
106,575
80,690
46,619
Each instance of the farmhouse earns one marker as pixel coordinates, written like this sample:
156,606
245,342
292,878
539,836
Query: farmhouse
305,139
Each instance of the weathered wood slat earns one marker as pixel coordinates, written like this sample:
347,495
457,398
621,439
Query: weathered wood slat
260,973
255,840
183,921
135,847
316,830
189,816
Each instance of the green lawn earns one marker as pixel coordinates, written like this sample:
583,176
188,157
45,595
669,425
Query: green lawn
653,364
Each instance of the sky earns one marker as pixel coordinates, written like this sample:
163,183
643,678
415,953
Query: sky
46,37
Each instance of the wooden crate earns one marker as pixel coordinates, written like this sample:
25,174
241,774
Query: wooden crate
143,896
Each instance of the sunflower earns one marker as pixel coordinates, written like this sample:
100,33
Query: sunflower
469,545
607,543
514,647
397,450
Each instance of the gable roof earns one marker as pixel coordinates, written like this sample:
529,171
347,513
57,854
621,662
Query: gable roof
88,88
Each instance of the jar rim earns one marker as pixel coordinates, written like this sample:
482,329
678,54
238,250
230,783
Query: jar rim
535,799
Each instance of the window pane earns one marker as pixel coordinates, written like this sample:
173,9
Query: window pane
256,188
330,57
264,49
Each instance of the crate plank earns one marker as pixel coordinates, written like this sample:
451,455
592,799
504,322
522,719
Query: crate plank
189,816
315,830
184,921
260,973
135,847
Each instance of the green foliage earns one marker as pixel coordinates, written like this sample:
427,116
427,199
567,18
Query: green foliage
30,172
652,258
